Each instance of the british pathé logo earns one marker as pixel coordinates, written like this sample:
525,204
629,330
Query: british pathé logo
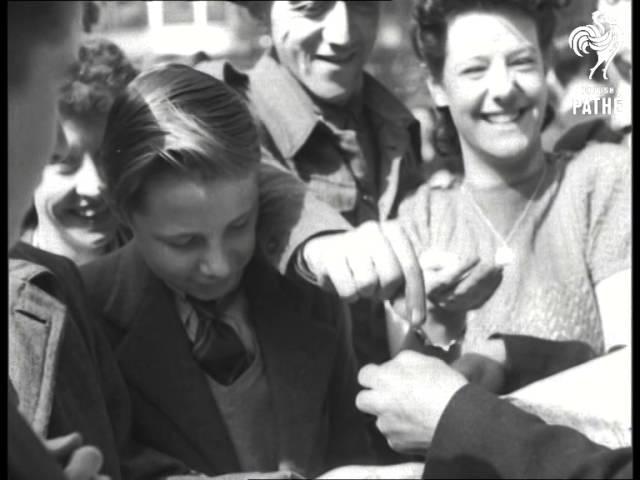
603,38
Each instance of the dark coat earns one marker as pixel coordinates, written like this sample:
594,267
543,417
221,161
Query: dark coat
483,436
65,374
308,362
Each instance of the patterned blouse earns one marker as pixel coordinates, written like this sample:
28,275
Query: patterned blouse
576,233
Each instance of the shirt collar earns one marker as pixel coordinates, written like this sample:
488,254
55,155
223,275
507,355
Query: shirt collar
290,114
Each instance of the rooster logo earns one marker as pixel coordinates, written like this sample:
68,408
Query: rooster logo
603,37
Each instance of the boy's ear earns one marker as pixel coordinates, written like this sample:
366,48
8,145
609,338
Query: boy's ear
437,92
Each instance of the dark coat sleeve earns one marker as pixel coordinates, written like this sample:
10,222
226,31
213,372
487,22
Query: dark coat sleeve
26,456
289,215
482,436
530,359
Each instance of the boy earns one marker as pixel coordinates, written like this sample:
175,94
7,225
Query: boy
231,367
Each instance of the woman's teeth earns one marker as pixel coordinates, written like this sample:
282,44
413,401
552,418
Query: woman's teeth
502,117
89,213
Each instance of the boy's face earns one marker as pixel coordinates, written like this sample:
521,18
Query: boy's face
197,235
325,45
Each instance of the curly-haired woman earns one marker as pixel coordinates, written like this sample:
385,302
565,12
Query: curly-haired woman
560,224
69,216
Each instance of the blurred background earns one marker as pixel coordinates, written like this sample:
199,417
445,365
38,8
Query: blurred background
189,32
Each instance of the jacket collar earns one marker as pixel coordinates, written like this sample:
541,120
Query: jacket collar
290,115
37,322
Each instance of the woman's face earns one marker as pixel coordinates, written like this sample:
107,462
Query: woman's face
493,82
197,235
69,199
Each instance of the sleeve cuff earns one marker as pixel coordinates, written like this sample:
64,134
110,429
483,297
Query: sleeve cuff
530,358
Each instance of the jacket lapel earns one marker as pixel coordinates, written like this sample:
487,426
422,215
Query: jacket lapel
155,356
36,326
298,355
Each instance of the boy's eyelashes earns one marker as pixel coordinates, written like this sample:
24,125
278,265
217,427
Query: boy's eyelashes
181,242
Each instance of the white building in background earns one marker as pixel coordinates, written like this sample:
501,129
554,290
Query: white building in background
209,27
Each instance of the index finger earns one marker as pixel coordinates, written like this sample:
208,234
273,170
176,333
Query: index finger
414,290
368,375
368,401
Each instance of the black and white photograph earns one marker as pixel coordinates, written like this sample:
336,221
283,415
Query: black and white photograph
319,239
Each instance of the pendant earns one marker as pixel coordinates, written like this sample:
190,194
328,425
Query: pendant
504,256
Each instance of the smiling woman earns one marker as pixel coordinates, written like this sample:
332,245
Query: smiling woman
558,224
70,216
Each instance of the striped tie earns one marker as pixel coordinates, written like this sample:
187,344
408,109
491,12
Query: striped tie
217,347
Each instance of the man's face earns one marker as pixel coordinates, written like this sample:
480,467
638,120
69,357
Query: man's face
325,44
197,235
32,120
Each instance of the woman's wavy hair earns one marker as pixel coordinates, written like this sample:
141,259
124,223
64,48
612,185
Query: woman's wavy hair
174,118
429,37
101,72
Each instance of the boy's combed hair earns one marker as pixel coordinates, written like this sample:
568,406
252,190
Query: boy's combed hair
100,74
175,118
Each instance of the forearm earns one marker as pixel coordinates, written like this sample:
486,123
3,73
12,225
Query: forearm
529,359
290,215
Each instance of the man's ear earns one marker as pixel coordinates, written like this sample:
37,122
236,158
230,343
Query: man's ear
437,92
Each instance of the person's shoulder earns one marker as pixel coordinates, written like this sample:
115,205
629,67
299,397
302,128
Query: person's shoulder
52,273
291,293
100,276
438,190
581,134
103,264
225,71
596,163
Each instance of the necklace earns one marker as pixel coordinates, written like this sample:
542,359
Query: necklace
504,254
